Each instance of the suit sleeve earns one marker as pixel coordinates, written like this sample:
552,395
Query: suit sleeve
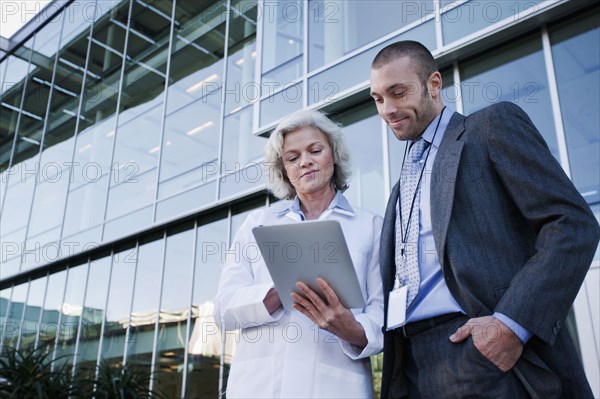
541,293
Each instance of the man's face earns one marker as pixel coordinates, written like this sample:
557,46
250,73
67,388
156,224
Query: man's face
402,101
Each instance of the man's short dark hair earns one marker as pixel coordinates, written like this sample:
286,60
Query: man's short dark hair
421,58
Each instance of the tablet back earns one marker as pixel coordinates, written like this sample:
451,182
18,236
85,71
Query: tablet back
307,250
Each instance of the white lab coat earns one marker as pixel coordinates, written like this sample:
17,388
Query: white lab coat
285,355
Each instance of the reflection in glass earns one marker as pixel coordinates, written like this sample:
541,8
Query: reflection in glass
281,104
105,62
118,305
240,146
71,309
362,132
576,73
174,310
241,88
283,38
516,73
33,312
147,53
458,22
144,315
191,146
198,49
186,202
52,311
337,27
204,348
93,314
14,316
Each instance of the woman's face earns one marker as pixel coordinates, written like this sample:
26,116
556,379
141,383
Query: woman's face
308,160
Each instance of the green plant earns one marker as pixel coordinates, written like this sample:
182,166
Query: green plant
124,382
30,374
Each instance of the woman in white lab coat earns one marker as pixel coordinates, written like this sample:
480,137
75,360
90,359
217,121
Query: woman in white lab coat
321,349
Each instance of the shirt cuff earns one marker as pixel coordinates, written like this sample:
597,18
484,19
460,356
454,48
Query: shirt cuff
520,331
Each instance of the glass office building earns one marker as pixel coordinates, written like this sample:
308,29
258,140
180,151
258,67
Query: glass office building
131,137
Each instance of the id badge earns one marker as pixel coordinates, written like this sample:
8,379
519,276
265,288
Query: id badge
396,315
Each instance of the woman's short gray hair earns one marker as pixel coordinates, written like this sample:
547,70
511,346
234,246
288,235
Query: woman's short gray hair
278,182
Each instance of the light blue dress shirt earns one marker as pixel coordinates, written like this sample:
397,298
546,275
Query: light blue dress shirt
434,297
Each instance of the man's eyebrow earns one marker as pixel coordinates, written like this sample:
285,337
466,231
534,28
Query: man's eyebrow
391,88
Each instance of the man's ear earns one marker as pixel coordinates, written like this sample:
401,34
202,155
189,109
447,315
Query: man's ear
434,85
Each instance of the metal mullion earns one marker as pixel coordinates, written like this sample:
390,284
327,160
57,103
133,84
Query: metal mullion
157,322
437,5
101,338
258,69
17,125
128,330
189,318
42,142
223,333
223,90
60,314
3,330
37,335
77,120
18,345
164,111
386,159
79,324
457,86
305,54
561,139
116,125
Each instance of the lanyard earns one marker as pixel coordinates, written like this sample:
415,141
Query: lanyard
404,234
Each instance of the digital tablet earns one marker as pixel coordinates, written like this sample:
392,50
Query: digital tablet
304,251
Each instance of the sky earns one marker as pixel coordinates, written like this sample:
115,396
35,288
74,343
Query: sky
15,13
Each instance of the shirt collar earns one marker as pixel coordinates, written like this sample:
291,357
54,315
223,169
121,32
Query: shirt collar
339,204
430,131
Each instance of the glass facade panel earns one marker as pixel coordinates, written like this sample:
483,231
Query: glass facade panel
576,73
105,62
174,310
71,309
281,104
241,88
33,311
337,27
4,307
362,133
15,315
197,54
473,16
52,311
330,83
144,314
118,306
190,148
186,202
240,146
93,314
205,348
515,72
283,40
147,55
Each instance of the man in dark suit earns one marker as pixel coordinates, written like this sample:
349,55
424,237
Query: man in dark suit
501,243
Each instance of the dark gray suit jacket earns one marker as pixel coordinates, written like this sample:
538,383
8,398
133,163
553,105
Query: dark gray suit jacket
513,235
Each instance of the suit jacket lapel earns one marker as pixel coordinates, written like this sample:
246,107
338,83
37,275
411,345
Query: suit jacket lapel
443,185
388,246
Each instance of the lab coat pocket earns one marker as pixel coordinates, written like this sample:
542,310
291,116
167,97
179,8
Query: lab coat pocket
251,378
